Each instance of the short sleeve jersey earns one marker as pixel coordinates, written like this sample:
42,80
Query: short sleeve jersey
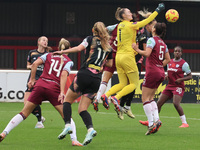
53,68
113,40
95,55
33,55
155,61
175,70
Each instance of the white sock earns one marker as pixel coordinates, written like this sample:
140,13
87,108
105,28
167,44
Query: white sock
183,119
127,107
148,111
90,129
155,110
73,135
15,121
101,90
67,125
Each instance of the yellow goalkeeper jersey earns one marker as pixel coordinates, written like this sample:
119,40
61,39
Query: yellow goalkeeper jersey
126,34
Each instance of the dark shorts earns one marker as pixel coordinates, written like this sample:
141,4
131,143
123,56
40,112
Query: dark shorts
152,80
28,90
169,91
37,76
113,68
40,94
85,84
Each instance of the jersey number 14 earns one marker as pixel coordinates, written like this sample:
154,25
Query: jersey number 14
54,66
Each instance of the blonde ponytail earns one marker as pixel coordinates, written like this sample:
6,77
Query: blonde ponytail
144,13
61,57
118,14
63,44
100,30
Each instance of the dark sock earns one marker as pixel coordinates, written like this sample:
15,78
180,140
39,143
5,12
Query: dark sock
37,112
122,101
127,99
67,112
130,98
86,119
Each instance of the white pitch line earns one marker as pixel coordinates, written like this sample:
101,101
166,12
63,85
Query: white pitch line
107,113
104,113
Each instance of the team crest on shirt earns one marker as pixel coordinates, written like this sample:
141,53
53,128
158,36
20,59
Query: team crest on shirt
98,43
177,65
122,25
149,42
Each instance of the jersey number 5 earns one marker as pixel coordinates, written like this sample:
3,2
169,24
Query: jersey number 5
161,53
54,66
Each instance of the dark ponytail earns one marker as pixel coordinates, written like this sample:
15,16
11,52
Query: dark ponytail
161,29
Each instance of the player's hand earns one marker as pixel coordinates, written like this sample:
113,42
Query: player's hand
29,67
166,78
160,7
61,97
57,53
178,81
135,47
31,83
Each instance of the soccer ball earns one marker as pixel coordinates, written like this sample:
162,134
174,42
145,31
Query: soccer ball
171,15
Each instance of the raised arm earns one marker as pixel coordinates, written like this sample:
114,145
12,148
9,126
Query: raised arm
75,49
144,22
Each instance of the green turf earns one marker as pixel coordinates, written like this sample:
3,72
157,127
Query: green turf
113,134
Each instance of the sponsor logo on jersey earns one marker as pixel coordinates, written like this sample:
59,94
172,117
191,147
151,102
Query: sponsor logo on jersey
172,69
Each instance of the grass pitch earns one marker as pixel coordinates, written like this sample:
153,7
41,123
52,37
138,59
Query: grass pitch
112,133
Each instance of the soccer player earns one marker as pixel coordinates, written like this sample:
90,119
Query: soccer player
107,74
87,81
107,71
157,57
176,87
32,56
125,58
50,86
142,36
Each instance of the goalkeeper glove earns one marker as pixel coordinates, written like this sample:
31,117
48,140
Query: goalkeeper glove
160,7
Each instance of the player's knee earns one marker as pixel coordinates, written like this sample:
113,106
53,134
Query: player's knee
122,85
133,86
